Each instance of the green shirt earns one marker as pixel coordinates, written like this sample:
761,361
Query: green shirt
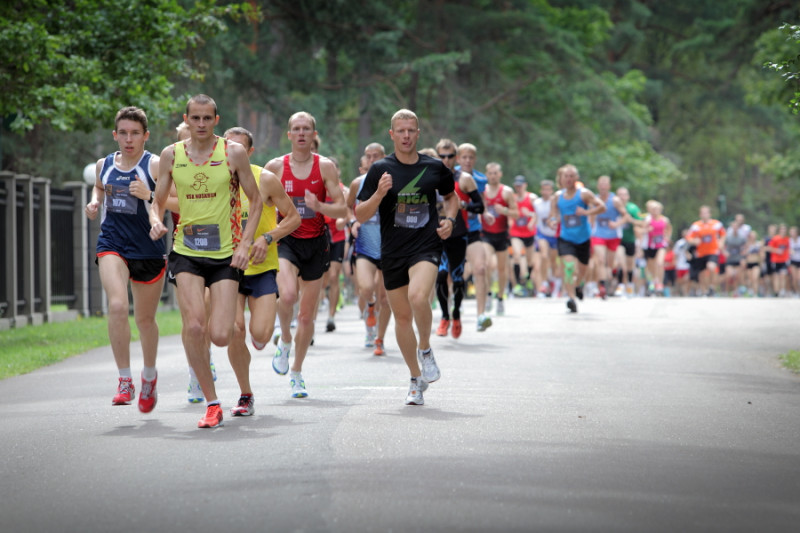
627,230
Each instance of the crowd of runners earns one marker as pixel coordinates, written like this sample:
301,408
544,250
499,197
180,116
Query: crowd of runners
417,229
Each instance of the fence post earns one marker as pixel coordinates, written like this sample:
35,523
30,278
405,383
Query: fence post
26,251
43,252
10,229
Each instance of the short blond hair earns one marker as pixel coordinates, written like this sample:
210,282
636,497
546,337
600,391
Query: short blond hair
404,114
494,164
306,115
468,147
429,152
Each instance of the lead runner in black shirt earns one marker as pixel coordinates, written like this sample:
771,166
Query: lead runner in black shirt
402,187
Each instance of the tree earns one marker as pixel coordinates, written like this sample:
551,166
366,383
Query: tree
789,63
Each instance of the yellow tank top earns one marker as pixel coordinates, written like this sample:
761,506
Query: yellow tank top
267,222
208,198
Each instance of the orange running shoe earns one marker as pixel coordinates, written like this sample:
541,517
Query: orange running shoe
125,392
379,347
444,325
213,417
456,331
370,318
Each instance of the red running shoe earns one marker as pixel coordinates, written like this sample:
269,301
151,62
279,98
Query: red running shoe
245,407
444,325
372,321
213,417
378,347
125,392
149,396
456,331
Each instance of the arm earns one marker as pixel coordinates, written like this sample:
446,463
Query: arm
668,230
621,220
273,194
163,186
240,163
98,193
555,214
337,207
451,211
596,205
511,199
365,209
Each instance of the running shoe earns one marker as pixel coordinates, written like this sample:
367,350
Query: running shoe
330,325
484,322
258,345
415,390
195,392
379,347
430,370
370,318
579,292
126,392
149,396
519,291
572,306
245,407
444,326
212,418
501,307
298,385
601,292
456,331
280,363
369,340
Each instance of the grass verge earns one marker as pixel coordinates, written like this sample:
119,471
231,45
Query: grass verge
25,349
791,360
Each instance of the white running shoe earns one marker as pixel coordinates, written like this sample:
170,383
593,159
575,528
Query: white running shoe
280,363
430,371
415,390
195,392
298,385
484,322
501,308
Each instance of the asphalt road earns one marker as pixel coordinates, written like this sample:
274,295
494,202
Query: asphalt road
633,415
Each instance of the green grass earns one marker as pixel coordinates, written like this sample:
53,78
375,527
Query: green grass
27,348
791,360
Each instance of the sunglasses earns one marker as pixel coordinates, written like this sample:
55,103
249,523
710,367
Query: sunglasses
447,156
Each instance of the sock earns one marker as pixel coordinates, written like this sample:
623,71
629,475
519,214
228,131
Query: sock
149,373
630,276
192,375
517,273
425,352
499,298
125,373
215,402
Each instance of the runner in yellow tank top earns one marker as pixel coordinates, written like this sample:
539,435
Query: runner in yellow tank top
258,288
207,253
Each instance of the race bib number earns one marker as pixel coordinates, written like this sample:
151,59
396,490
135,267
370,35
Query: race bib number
202,238
120,200
492,210
603,222
707,238
522,222
658,239
413,216
302,208
572,221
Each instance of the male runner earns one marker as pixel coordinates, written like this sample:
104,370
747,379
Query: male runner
633,221
258,287
607,233
548,271
403,188
501,205
303,256
571,209
124,183
708,235
523,234
211,250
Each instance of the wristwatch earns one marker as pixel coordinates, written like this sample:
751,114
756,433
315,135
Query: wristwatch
453,220
268,238
152,195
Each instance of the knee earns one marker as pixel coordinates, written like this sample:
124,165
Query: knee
118,308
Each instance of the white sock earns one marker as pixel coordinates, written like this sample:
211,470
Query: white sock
192,375
125,373
149,373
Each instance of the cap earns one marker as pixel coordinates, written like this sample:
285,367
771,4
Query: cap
520,180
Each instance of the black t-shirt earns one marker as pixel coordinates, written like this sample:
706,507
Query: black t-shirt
408,211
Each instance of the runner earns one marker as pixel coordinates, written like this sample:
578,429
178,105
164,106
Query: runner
501,205
124,181
523,234
794,259
570,209
303,256
659,233
735,241
403,188
607,234
681,249
754,257
338,236
548,271
476,252
369,276
780,249
258,288
633,223
708,235
455,246
211,250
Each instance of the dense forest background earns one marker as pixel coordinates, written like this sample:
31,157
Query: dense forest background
671,98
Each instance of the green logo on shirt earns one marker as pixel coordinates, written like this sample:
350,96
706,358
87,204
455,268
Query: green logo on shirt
410,193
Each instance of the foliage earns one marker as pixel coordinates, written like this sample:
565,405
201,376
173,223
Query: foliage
789,64
791,360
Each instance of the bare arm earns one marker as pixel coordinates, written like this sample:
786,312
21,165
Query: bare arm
596,206
240,163
511,199
163,186
273,194
98,193
365,210
337,207
451,211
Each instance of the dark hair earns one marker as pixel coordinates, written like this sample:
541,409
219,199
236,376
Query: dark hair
131,113
238,130
201,99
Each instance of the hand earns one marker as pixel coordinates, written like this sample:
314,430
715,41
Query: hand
488,218
552,222
138,189
241,257
312,202
92,209
354,229
445,228
258,252
581,212
157,230
384,184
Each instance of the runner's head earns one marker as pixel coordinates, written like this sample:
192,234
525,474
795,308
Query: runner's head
364,166
405,132
201,116
130,131
624,194
568,176
494,172
467,155
374,152
182,132
302,130
603,185
241,136
654,207
705,213
520,184
545,188
447,151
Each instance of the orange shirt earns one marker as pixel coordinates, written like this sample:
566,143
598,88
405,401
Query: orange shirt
709,234
782,244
